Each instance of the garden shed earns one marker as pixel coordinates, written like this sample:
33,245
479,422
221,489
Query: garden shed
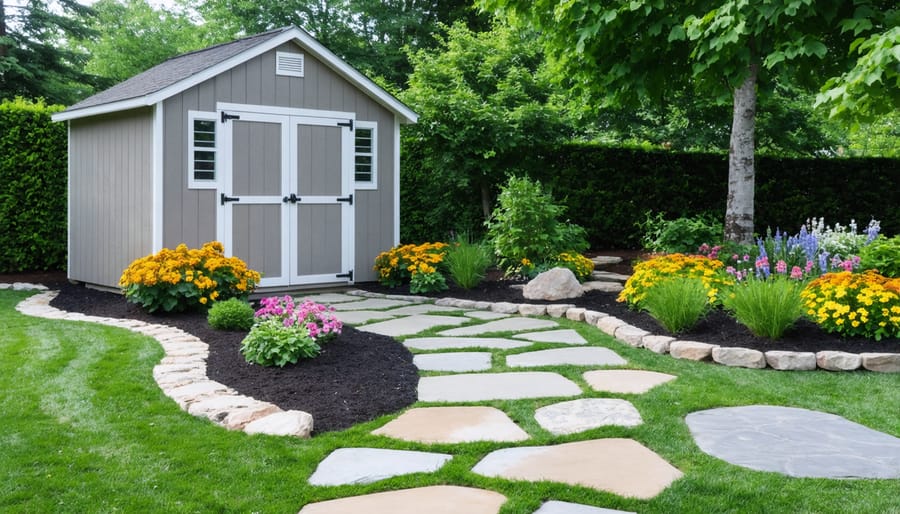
270,144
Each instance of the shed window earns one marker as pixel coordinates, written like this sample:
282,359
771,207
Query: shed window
202,150
365,157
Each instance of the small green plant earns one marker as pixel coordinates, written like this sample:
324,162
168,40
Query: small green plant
467,262
427,282
232,314
286,331
525,229
883,255
767,307
681,235
677,303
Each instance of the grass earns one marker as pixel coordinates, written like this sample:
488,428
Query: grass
467,262
766,307
86,429
677,303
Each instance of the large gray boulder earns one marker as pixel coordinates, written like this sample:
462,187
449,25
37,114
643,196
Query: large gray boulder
554,284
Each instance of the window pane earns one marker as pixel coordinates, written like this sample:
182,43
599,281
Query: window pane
363,140
365,160
204,175
206,139
204,126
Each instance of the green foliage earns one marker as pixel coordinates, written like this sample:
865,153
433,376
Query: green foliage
467,262
525,226
32,187
578,264
681,235
430,282
270,343
767,307
232,314
883,255
677,303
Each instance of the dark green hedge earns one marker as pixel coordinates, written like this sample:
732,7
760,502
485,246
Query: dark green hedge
32,187
608,190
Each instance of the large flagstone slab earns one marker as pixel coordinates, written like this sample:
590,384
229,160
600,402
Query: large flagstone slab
567,336
501,325
370,303
625,380
447,343
477,387
367,465
411,325
360,317
438,499
795,442
453,361
558,507
584,414
330,298
422,308
620,466
590,356
453,425
487,315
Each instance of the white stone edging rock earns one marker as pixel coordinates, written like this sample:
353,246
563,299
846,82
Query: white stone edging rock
181,374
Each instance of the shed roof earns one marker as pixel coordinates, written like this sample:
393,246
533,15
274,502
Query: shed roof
187,70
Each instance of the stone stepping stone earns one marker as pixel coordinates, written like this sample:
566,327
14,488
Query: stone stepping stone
367,465
370,303
588,356
437,499
330,298
584,414
478,387
502,325
795,442
605,260
609,276
601,285
558,507
619,466
447,343
411,324
486,315
629,381
360,317
455,361
566,336
421,308
453,425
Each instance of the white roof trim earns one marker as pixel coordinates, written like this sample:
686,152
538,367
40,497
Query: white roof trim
293,34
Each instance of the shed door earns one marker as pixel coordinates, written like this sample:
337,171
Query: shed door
286,200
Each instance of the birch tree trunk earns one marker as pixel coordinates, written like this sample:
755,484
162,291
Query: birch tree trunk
741,173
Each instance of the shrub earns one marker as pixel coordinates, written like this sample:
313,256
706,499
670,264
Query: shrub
855,304
678,303
767,307
232,314
681,235
653,271
467,262
286,331
398,265
181,279
882,255
526,227
427,282
580,265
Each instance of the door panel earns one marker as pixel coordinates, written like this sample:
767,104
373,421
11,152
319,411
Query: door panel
257,237
257,158
319,165
319,246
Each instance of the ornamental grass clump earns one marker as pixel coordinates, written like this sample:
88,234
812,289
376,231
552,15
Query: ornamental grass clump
678,303
286,331
182,279
767,308
855,304
417,264
651,272
467,262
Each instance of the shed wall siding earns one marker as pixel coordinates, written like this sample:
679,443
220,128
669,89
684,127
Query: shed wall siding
110,194
189,216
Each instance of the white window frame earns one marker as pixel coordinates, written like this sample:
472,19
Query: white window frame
194,183
373,182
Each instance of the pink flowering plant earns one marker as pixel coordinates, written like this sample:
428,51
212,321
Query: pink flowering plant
286,331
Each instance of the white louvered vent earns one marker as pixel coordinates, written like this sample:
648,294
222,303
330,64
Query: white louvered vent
289,64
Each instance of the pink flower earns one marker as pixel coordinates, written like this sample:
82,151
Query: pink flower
781,267
847,265
796,273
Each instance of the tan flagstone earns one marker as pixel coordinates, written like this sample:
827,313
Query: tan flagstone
625,380
437,499
453,425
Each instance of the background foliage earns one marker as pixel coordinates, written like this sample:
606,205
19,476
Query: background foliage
32,187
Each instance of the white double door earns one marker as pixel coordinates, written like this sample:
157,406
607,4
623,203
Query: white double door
286,198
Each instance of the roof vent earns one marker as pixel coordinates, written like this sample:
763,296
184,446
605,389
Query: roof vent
290,64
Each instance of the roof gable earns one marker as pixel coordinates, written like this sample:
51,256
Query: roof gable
187,70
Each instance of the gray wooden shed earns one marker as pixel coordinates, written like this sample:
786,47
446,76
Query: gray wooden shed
270,144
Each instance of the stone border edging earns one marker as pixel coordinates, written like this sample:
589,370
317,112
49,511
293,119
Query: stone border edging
181,374
681,349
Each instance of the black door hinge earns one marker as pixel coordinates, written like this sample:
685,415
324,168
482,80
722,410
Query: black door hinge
348,275
348,199
226,117
223,198
348,123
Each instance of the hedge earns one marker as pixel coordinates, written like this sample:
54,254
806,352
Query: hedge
33,153
609,190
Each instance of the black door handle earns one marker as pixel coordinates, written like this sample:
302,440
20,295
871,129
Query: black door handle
223,198
293,198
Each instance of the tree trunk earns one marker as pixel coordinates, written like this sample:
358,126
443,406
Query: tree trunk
3,50
741,174
486,201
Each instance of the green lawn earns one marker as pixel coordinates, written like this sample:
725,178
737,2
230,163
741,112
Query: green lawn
86,429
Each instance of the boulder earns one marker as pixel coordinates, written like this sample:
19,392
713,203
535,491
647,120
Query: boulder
554,284
657,344
838,361
290,423
632,336
610,324
575,314
691,350
592,317
559,310
791,361
739,357
530,309
505,307
883,362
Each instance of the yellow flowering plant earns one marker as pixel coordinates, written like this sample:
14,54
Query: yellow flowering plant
658,269
855,304
183,278
580,265
402,263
